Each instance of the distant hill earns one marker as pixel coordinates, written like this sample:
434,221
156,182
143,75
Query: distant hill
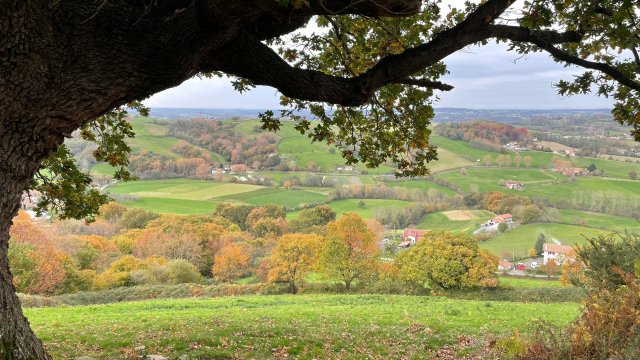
442,114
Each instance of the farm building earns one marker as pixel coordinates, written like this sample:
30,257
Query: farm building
514,185
410,237
574,171
505,266
506,218
344,168
404,244
413,235
555,252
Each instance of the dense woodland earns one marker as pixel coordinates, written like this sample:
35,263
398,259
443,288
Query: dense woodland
485,131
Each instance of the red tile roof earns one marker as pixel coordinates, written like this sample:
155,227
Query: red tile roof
404,244
414,233
558,249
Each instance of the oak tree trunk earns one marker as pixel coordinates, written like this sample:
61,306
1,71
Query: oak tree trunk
19,159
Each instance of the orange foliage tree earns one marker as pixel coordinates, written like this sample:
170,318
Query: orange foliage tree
231,263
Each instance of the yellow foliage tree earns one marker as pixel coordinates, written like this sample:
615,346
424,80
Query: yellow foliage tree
292,258
448,260
349,251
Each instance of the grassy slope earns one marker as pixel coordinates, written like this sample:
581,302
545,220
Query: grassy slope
540,183
523,238
529,283
173,206
424,185
352,326
290,198
440,221
616,223
182,189
351,205
303,151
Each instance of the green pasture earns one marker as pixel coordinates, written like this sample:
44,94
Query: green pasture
290,198
173,206
423,185
529,282
187,189
440,221
600,221
518,241
352,205
294,326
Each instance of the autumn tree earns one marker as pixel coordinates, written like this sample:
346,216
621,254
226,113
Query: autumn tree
231,263
112,211
293,258
66,65
487,160
237,214
551,268
448,260
349,251
268,211
517,159
312,220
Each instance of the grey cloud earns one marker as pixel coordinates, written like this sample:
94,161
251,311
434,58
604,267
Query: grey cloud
484,77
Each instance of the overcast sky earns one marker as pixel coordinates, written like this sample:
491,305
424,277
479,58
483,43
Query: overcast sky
486,77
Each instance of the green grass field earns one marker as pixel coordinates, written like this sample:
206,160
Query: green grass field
519,240
601,221
423,185
297,326
181,189
529,283
173,206
290,198
490,179
301,150
352,205
440,221
539,183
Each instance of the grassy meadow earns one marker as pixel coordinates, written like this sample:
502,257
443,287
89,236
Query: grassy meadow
280,326
519,240
445,221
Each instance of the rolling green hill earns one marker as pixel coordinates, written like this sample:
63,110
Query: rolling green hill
465,221
186,196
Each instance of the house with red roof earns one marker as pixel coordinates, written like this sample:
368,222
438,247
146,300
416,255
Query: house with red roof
556,252
413,235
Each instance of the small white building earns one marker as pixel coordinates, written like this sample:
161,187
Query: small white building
555,252
514,185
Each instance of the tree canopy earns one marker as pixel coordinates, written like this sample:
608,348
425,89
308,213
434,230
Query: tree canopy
369,76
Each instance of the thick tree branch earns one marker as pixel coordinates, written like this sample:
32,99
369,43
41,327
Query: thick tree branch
545,40
248,58
426,83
